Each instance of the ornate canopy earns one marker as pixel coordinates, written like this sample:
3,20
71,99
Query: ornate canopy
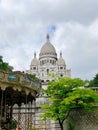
16,88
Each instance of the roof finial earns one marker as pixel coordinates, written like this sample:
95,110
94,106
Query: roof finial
47,36
60,54
35,54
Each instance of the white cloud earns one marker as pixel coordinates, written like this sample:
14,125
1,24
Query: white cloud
79,45
73,27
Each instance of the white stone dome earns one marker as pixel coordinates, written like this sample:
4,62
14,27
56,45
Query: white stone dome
34,62
61,61
48,50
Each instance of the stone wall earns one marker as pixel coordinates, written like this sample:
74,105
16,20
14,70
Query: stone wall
81,120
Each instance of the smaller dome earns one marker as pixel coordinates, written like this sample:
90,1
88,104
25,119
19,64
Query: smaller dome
61,61
34,62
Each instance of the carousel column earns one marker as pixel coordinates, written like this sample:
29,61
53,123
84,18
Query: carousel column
19,116
9,116
1,111
5,106
26,113
34,114
11,111
30,115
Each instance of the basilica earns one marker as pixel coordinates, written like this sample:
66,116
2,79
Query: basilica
48,63
44,67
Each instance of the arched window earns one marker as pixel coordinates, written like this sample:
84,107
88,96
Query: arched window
61,75
47,71
42,81
47,80
61,68
34,68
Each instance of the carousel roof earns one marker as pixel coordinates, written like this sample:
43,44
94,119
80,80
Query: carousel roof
18,87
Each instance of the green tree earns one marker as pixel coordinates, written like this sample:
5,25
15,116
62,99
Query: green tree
12,124
90,83
65,95
83,98
33,76
4,65
94,81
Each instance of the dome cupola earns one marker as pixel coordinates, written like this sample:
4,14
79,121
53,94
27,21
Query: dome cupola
48,50
34,62
61,61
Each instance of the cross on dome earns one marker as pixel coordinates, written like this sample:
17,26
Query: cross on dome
47,37
34,54
60,54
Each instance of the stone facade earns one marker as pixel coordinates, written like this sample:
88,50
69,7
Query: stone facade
47,64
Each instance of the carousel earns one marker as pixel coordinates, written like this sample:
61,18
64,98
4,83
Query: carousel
17,89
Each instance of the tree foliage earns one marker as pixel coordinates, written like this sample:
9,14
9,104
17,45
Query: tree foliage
65,95
94,81
33,76
4,65
81,98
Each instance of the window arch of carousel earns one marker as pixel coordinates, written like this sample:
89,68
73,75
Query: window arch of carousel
17,100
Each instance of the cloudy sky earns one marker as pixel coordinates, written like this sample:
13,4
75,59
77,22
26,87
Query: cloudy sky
71,24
